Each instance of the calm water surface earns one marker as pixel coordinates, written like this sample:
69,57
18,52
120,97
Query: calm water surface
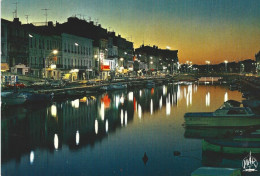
109,134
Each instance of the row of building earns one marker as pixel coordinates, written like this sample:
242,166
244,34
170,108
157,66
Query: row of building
77,50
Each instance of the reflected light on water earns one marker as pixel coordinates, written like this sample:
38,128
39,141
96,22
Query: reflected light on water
139,111
31,157
75,103
160,103
125,117
189,96
56,141
151,107
54,110
168,107
117,101
122,117
106,125
96,126
164,90
102,111
122,99
131,96
77,137
208,99
226,97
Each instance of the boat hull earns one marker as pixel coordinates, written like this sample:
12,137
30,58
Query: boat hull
222,121
14,100
230,147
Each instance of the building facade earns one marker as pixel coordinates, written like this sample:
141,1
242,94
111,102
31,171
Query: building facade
44,55
77,57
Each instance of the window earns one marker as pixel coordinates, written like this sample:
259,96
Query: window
65,44
31,42
47,44
2,48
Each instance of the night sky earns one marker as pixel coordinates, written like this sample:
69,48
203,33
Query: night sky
214,30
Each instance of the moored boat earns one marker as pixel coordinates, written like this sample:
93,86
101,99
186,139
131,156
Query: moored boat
13,98
251,103
37,97
150,84
214,171
117,86
226,116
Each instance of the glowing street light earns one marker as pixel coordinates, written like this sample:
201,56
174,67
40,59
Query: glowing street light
208,62
225,61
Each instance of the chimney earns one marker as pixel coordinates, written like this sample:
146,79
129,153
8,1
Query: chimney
16,21
50,24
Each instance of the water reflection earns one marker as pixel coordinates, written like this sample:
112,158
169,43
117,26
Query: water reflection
77,137
56,141
31,157
78,123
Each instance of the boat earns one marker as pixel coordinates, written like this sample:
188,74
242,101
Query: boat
226,116
251,103
238,145
37,97
117,86
215,171
13,98
150,84
215,133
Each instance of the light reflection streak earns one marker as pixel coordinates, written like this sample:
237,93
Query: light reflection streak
106,125
164,90
31,157
151,107
56,141
226,97
77,137
54,110
117,101
168,107
140,92
102,111
160,103
122,99
126,118
96,126
131,96
208,99
122,117
139,111
75,103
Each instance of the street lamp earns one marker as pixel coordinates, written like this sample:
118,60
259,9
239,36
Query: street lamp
208,62
226,65
54,52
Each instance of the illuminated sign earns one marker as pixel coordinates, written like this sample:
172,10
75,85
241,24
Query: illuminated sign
105,67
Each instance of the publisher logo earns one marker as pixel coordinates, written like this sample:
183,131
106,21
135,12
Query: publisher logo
249,163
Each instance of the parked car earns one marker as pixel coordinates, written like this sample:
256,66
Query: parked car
40,83
17,84
91,82
57,84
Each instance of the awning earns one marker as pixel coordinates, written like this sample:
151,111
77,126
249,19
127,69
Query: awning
4,67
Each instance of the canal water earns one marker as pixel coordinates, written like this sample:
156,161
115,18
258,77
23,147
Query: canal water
108,134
